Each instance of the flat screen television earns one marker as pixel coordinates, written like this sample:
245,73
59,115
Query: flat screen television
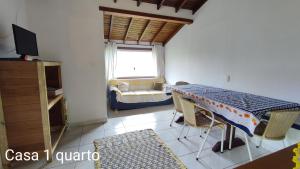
25,41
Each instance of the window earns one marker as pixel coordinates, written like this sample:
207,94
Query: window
135,63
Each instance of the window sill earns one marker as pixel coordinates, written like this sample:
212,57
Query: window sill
139,77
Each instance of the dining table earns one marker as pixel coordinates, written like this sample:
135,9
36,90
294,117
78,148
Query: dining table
239,109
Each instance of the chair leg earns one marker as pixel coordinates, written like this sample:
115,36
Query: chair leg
175,112
260,142
284,143
222,139
230,138
202,145
187,132
201,132
181,132
248,147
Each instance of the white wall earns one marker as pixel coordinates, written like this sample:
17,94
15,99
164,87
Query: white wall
256,42
71,31
11,12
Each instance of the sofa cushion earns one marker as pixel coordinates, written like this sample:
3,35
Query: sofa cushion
123,86
142,92
138,87
137,84
142,96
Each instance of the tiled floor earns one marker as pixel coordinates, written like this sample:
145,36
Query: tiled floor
79,139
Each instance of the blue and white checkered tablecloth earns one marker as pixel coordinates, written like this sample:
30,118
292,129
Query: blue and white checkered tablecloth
240,108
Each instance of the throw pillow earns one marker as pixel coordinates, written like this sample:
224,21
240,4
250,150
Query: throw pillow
158,86
123,86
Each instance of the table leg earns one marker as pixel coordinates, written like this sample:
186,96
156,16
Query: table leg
236,142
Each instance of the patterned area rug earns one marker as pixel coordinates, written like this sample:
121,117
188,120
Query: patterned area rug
135,150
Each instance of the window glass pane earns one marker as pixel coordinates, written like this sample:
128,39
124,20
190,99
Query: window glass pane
135,63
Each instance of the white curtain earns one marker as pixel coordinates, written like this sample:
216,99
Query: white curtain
110,60
159,59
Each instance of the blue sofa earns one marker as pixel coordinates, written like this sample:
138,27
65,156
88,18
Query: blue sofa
140,95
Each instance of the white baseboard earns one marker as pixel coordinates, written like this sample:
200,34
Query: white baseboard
96,121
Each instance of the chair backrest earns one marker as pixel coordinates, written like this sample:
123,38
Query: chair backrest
188,109
181,83
176,96
279,123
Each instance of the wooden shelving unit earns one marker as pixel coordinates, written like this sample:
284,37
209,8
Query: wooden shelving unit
53,101
30,120
56,136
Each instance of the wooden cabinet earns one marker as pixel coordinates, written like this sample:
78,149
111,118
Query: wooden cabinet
30,120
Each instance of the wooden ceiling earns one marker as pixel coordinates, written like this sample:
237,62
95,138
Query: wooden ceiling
193,5
140,27
123,25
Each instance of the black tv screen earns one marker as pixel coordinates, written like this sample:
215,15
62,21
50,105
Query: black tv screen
25,41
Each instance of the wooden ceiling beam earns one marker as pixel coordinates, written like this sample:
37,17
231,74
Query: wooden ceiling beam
180,5
158,32
128,28
144,31
198,6
110,27
126,13
138,2
160,3
172,34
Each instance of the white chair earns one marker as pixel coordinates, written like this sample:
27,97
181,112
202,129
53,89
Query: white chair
181,83
246,140
176,102
277,126
273,129
202,118
177,105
